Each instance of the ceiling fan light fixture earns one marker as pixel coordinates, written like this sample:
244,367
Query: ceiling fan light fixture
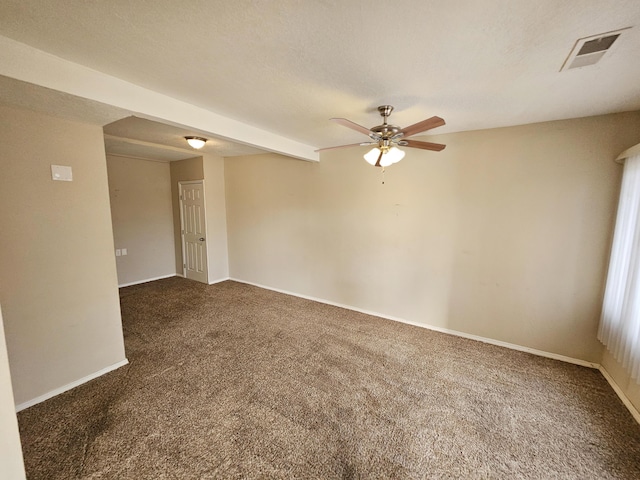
389,156
196,142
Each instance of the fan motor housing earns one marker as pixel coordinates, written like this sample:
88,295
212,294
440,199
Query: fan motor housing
386,130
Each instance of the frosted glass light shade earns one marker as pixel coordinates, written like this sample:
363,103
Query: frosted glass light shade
196,142
391,156
394,154
385,161
372,156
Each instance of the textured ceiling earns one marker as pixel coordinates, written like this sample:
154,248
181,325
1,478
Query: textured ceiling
288,66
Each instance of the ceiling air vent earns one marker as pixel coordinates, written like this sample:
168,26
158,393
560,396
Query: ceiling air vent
590,50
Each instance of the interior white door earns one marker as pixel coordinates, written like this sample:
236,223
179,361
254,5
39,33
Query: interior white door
193,223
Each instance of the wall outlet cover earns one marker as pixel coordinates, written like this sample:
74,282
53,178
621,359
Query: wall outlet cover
61,173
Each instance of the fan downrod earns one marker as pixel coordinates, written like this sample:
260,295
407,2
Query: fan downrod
385,131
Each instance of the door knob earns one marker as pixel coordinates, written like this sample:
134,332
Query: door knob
201,239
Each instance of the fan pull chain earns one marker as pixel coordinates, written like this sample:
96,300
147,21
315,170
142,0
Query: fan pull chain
382,175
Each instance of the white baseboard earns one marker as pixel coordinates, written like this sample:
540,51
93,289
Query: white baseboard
616,388
69,386
148,280
513,346
212,282
478,338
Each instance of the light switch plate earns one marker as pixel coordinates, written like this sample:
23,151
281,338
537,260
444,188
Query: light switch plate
118,252
62,173
124,251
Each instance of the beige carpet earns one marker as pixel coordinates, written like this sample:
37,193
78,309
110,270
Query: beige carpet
233,381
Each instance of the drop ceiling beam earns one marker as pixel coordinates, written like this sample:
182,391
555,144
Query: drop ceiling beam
133,141
29,64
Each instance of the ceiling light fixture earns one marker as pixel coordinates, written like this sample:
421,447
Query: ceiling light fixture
196,142
389,156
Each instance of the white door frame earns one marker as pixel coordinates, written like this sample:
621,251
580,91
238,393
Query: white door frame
206,229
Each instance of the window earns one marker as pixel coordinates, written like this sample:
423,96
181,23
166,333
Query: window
620,322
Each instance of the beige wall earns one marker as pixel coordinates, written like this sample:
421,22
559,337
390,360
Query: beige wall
182,170
217,252
505,234
142,217
58,284
11,463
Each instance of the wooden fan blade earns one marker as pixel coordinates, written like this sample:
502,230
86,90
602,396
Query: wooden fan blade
422,126
345,146
436,147
353,126
379,158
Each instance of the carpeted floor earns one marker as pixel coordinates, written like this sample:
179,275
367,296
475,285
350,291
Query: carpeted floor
233,381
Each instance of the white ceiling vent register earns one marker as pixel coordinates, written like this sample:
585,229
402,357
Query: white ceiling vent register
590,50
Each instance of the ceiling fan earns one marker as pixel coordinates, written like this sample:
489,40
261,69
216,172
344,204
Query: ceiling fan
388,137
